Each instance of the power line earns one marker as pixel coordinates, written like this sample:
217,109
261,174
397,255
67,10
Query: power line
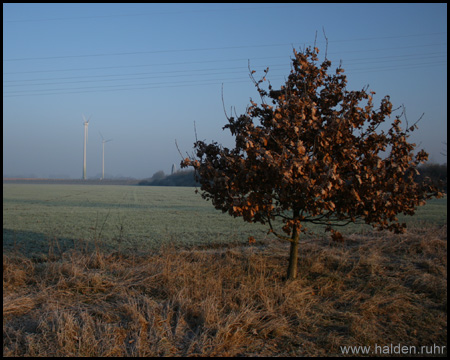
205,74
402,67
110,86
142,65
158,86
186,83
145,52
208,72
377,60
134,74
387,37
197,49
242,69
396,48
243,72
213,61
150,14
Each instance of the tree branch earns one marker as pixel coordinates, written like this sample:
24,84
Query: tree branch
326,39
277,235
223,104
178,148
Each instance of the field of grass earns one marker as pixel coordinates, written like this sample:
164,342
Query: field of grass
217,295
129,217
36,217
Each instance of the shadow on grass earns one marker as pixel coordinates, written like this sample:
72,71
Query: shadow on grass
40,245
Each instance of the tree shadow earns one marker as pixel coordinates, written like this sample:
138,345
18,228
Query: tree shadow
36,244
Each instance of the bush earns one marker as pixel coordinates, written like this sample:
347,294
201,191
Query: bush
436,172
180,178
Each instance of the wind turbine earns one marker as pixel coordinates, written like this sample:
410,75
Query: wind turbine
103,160
86,123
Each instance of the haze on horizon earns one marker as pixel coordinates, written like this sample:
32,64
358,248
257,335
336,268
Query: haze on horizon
144,73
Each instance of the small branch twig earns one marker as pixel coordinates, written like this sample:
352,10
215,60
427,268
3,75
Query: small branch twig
251,74
277,235
223,104
326,40
178,148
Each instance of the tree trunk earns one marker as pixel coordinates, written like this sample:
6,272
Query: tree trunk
293,255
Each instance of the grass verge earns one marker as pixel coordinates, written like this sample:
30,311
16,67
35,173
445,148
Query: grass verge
375,289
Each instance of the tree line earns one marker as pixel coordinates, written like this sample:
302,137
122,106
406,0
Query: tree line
436,172
179,178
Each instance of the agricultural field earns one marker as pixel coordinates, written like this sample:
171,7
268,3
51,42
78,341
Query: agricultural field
137,218
217,295
125,217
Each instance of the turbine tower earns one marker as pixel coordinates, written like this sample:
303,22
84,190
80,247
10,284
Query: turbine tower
103,155
86,123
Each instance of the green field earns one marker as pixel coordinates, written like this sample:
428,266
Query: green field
132,217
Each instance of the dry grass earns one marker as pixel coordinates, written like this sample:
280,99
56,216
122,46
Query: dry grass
230,301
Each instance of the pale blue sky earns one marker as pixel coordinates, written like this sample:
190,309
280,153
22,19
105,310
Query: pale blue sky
146,72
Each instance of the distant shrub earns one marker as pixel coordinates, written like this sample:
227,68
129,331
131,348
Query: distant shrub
436,172
179,178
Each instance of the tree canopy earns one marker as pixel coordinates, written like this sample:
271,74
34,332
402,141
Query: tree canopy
312,152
